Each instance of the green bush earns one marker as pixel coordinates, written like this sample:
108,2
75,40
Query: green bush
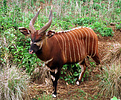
102,29
98,26
83,21
71,72
118,26
17,45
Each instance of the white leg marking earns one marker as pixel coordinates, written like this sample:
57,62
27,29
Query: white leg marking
82,70
52,77
53,95
77,82
56,70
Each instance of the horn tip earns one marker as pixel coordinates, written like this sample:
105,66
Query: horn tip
20,27
51,7
39,8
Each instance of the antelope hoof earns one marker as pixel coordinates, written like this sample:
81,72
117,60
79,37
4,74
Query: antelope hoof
78,83
54,95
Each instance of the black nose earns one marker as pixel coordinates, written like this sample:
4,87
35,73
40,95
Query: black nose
30,51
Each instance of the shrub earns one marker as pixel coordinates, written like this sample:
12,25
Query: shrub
102,29
118,26
13,84
95,24
83,21
71,73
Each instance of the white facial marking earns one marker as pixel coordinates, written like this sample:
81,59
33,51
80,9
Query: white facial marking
37,43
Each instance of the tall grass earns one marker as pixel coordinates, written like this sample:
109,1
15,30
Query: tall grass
110,84
13,84
114,55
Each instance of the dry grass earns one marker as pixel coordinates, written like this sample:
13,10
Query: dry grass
110,84
114,55
13,84
41,75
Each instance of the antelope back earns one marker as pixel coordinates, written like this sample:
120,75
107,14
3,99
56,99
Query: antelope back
77,43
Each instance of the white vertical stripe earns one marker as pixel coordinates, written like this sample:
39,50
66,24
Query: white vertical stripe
83,44
88,40
81,41
85,39
65,53
82,37
93,41
74,45
69,47
58,41
95,47
76,38
62,41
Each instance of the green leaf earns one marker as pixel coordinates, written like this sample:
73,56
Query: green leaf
114,98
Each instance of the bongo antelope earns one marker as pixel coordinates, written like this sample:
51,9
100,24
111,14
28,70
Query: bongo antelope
59,48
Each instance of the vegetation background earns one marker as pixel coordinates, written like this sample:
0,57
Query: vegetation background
67,14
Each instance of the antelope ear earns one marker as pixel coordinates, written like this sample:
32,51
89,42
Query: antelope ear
50,33
24,31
